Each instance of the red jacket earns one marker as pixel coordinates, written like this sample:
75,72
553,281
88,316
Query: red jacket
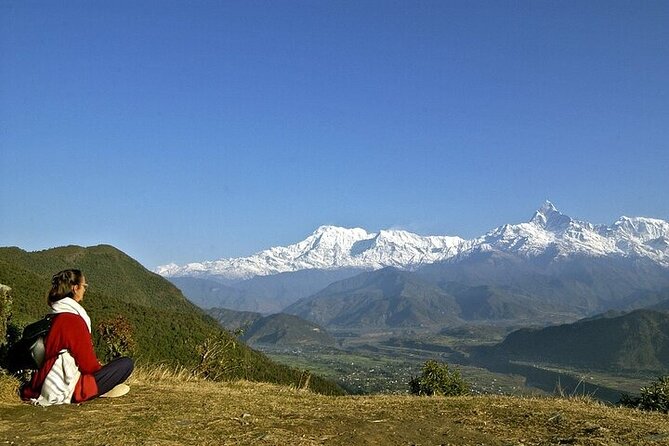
68,331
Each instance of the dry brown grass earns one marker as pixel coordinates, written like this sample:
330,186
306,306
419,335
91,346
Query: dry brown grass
170,407
9,387
163,373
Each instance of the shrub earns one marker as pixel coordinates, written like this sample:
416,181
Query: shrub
215,361
116,336
654,397
437,379
14,334
10,331
9,387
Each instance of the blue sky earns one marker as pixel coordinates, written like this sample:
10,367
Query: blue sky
188,131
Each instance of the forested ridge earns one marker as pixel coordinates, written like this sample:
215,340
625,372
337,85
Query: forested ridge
166,327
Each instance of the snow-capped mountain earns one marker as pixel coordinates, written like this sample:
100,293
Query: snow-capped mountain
331,247
549,228
549,231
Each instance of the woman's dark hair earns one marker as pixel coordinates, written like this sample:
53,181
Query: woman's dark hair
62,283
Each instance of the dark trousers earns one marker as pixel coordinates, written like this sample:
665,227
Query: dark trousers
112,374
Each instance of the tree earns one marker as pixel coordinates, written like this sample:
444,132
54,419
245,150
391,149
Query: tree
437,379
654,397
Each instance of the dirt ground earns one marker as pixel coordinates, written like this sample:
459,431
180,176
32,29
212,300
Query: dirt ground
172,412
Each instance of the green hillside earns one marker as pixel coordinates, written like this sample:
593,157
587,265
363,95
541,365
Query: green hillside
166,326
286,329
157,311
233,320
634,341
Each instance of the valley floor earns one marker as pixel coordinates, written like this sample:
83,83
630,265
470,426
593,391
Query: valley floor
174,412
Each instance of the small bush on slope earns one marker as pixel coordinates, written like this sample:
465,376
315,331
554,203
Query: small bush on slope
437,379
654,397
117,336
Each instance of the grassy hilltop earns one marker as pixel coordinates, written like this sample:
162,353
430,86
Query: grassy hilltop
171,411
167,328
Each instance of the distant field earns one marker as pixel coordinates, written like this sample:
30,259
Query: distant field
384,362
625,381
373,362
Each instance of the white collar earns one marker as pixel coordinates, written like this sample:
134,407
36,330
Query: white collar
69,305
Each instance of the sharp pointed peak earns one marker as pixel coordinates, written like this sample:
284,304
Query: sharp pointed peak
549,216
548,206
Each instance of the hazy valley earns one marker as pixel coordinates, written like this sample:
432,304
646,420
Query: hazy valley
525,308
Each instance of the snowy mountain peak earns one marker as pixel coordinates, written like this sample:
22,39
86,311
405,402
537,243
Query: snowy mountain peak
548,217
330,247
641,228
549,231
337,231
327,237
548,207
395,235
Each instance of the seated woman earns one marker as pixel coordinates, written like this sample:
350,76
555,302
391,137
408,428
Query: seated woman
71,373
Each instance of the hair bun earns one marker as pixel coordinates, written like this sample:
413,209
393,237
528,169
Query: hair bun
67,276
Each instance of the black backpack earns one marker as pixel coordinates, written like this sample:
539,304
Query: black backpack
28,352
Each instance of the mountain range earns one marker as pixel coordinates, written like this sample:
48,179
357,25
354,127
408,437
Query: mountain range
550,269
548,233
